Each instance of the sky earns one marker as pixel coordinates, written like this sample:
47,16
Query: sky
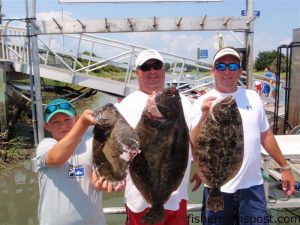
275,26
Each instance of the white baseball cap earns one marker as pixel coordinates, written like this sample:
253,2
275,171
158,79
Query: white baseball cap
146,55
226,51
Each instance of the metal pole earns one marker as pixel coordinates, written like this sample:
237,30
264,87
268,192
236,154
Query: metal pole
129,69
249,43
33,108
221,41
1,14
31,13
1,31
3,108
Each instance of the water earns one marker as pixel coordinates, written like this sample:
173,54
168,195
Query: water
18,195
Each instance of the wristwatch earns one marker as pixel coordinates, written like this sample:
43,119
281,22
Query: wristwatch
286,167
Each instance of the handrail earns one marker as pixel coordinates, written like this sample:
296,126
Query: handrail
122,210
60,52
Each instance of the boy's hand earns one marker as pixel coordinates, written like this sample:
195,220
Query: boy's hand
101,184
88,118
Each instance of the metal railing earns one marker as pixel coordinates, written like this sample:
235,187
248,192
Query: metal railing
86,54
122,210
14,45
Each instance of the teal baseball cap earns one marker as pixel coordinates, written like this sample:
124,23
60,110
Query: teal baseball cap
58,106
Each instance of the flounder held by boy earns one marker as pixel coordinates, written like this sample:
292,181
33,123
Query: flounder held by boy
115,144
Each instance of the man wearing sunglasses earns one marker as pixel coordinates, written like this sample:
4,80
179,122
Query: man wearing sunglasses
244,194
151,77
69,189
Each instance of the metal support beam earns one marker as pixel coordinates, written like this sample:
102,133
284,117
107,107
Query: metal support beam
31,13
249,43
154,24
3,110
1,14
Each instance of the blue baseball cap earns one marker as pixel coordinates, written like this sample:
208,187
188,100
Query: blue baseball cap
58,106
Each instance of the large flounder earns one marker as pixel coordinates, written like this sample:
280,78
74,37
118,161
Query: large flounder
219,148
115,144
164,142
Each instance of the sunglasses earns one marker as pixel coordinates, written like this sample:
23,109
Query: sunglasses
54,107
147,67
231,66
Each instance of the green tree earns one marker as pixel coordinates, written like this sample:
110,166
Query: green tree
264,59
269,58
273,65
167,66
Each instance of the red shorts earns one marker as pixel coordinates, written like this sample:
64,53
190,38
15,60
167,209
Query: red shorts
178,217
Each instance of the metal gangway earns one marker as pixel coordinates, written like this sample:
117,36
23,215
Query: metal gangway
71,58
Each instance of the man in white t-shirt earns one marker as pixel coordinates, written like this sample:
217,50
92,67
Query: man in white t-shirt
244,194
151,77
70,191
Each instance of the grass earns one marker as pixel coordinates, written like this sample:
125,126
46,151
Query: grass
13,150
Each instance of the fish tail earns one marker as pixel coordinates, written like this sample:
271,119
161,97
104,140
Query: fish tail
215,200
154,215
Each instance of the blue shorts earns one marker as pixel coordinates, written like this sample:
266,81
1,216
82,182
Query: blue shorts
245,206
266,88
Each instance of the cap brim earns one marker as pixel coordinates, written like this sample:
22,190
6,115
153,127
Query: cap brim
225,52
67,112
235,56
145,60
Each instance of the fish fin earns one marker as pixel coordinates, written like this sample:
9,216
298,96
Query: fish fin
215,200
154,215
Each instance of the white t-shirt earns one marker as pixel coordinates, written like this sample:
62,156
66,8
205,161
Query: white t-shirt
132,108
254,122
67,196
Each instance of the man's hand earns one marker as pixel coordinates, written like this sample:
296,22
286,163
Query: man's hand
206,105
288,182
152,107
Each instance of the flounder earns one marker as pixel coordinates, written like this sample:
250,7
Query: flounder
164,142
115,144
219,148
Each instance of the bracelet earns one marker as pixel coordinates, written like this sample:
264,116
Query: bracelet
286,167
